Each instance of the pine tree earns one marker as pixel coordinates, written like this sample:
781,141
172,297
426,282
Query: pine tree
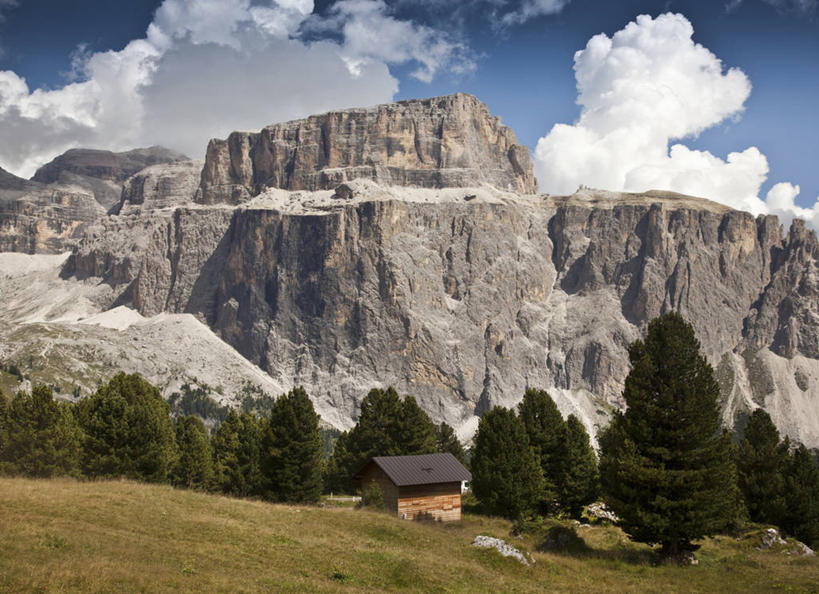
761,462
237,445
194,466
801,518
448,442
417,433
38,436
128,431
579,482
291,458
666,467
386,427
546,430
506,475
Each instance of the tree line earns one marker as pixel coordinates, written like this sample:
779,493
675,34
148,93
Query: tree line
666,467
125,429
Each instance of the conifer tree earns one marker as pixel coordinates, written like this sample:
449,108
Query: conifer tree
386,427
666,467
128,431
291,454
448,442
506,475
38,436
761,462
237,445
417,431
546,430
801,518
194,466
579,482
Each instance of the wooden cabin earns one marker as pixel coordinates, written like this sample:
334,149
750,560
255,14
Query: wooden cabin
418,487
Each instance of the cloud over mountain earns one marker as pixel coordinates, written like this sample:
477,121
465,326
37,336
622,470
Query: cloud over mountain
639,90
206,67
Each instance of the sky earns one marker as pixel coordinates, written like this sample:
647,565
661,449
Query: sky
712,98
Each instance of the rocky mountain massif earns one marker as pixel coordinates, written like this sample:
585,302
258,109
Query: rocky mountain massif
405,244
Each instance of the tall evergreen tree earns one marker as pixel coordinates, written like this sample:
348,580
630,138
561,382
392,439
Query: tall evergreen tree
761,463
416,431
448,442
506,475
546,430
801,518
237,446
128,431
387,426
291,454
579,481
666,467
194,466
38,436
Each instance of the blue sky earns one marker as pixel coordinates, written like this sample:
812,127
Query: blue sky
174,86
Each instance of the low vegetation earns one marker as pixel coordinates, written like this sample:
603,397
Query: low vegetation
70,536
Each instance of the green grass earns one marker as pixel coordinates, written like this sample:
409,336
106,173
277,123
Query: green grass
64,535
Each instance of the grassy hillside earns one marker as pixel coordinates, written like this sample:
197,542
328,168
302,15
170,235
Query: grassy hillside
62,535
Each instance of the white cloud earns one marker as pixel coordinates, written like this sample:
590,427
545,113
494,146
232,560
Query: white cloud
530,9
646,86
801,8
206,67
371,35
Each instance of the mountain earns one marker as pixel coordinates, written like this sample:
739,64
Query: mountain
102,172
405,245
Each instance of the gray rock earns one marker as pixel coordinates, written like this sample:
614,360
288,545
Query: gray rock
770,537
102,172
450,141
488,542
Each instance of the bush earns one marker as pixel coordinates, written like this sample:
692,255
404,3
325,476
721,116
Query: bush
372,497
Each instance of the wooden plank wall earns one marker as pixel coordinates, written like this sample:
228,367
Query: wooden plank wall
440,502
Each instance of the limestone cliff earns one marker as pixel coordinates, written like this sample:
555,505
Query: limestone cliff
102,173
447,277
432,143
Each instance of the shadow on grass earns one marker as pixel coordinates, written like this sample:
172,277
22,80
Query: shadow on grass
559,539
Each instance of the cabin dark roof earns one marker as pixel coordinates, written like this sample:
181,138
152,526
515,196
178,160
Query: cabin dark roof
425,469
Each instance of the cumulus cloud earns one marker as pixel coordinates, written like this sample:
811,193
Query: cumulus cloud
639,90
206,67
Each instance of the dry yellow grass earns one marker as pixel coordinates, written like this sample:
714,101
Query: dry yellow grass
64,535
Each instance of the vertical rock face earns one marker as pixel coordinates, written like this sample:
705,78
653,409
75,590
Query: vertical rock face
463,290
466,297
45,220
450,141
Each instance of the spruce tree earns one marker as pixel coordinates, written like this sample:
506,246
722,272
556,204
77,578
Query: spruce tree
237,445
39,437
417,433
506,475
448,442
579,482
128,431
801,518
194,466
666,467
546,430
761,462
387,426
291,452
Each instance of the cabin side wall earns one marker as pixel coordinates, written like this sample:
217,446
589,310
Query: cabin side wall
440,502
373,474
